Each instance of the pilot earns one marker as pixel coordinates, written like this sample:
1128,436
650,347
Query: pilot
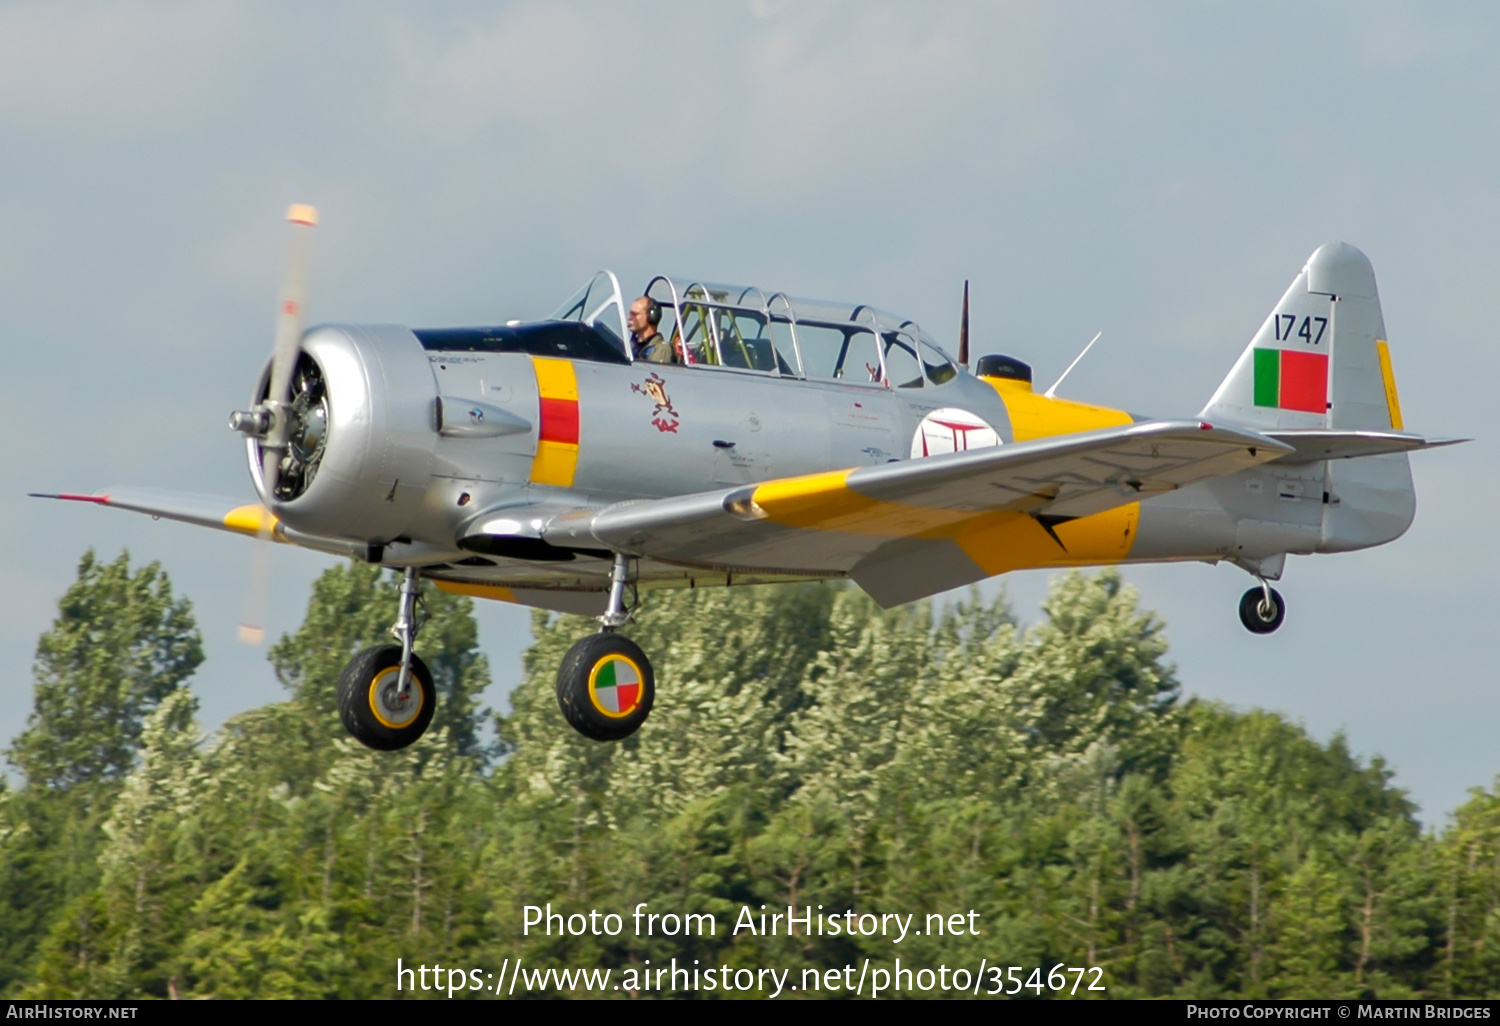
646,343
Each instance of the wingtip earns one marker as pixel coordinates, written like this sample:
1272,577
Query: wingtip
102,500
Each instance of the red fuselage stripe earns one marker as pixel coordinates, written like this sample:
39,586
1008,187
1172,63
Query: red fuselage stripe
559,421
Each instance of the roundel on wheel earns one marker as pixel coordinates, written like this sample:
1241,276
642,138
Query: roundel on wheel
951,430
615,686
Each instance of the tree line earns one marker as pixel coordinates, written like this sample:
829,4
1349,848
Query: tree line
806,749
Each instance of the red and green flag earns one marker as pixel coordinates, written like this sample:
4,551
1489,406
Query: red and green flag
1291,380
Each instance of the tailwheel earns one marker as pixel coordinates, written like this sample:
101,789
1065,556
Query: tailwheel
376,708
1262,609
605,687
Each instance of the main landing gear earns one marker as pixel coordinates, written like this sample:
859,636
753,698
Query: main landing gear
386,697
1262,609
605,686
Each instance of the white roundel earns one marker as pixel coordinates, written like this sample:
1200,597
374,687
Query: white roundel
951,430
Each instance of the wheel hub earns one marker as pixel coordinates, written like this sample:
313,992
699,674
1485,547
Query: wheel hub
393,707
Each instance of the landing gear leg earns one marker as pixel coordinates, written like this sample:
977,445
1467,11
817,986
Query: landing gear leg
386,696
406,626
605,686
1262,609
616,615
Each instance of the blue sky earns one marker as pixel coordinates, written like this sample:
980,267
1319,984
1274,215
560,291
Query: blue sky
1156,171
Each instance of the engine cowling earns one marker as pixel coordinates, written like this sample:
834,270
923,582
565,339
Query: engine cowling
361,435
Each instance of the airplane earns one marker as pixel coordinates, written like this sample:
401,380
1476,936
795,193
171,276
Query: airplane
783,439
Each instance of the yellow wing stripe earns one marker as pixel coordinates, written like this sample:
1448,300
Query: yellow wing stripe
1392,403
485,591
1001,542
253,520
556,463
996,542
825,502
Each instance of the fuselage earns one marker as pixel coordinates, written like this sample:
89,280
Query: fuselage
427,432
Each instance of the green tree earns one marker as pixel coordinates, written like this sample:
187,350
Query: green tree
120,645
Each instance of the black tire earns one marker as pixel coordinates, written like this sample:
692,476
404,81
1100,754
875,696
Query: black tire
365,689
1258,620
591,701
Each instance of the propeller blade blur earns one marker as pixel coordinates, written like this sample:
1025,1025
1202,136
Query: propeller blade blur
257,598
290,319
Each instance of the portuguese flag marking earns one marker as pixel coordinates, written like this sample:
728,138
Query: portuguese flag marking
1291,380
616,686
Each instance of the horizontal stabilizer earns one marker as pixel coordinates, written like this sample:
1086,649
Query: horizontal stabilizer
1316,444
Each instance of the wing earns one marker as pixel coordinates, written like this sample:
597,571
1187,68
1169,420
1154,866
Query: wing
206,511
910,529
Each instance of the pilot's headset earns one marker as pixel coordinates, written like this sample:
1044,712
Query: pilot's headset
653,312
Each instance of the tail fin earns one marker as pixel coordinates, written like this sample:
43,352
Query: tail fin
1320,360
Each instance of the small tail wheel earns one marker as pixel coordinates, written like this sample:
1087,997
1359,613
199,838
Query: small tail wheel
372,706
1260,616
605,687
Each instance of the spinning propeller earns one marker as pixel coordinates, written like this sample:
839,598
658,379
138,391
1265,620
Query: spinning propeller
271,419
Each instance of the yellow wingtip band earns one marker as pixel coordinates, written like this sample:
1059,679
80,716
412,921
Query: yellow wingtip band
253,520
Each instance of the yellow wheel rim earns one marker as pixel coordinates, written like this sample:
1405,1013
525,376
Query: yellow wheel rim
390,710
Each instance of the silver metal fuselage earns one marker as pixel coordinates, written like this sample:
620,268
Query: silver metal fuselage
402,479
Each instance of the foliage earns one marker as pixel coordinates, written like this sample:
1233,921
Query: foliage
806,749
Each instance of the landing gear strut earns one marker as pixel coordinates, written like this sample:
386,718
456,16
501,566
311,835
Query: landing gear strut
605,686
1262,609
386,697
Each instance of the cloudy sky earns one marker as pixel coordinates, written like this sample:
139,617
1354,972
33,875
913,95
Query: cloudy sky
1157,171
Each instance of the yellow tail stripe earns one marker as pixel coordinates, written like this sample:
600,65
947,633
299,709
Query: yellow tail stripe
1392,403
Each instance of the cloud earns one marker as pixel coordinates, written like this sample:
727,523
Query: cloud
105,70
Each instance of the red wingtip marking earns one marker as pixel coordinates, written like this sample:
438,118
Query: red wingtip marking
290,307
102,500
1204,425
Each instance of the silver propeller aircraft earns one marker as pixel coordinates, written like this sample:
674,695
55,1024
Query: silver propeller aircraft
767,439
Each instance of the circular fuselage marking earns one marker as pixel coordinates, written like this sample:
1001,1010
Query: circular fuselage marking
615,686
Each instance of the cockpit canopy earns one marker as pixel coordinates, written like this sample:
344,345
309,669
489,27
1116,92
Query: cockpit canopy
740,327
